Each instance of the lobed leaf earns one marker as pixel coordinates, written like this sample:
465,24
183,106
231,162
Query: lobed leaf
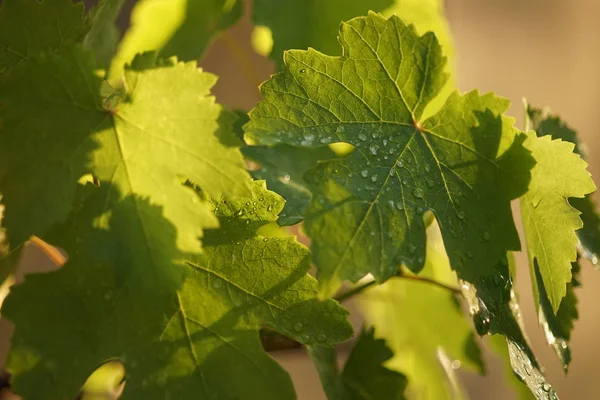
144,142
461,163
549,221
544,124
365,377
184,325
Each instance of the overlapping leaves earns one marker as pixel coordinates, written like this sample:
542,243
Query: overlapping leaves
184,325
453,163
161,131
464,164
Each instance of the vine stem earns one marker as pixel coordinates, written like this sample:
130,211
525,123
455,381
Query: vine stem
362,287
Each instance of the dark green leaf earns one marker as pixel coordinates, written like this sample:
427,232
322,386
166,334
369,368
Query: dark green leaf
465,164
185,326
31,27
366,377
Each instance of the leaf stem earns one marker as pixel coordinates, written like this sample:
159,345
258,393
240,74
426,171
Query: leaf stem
362,287
325,360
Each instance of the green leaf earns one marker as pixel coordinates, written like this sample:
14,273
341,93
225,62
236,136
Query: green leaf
557,328
26,28
495,309
548,219
104,34
283,168
365,376
57,128
300,24
421,322
465,164
544,123
181,28
499,345
184,325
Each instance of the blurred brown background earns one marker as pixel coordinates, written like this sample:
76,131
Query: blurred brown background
545,50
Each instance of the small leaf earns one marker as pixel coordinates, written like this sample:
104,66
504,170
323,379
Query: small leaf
183,325
365,376
548,219
181,28
544,124
26,29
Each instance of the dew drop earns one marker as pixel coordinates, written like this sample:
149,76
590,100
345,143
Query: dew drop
420,260
399,206
404,182
418,193
286,178
341,129
419,210
374,178
400,163
486,236
322,338
247,222
412,248
305,339
461,215
247,203
430,183
428,169
385,142
391,203
270,207
470,254
364,173
546,387
362,136
392,172
303,70
298,326
455,364
217,283
374,149
265,239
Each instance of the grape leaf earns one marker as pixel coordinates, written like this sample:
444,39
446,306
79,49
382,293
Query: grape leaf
283,168
544,124
465,164
182,28
306,27
365,377
104,35
184,325
419,320
31,27
57,128
298,24
557,328
498,344
548,219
